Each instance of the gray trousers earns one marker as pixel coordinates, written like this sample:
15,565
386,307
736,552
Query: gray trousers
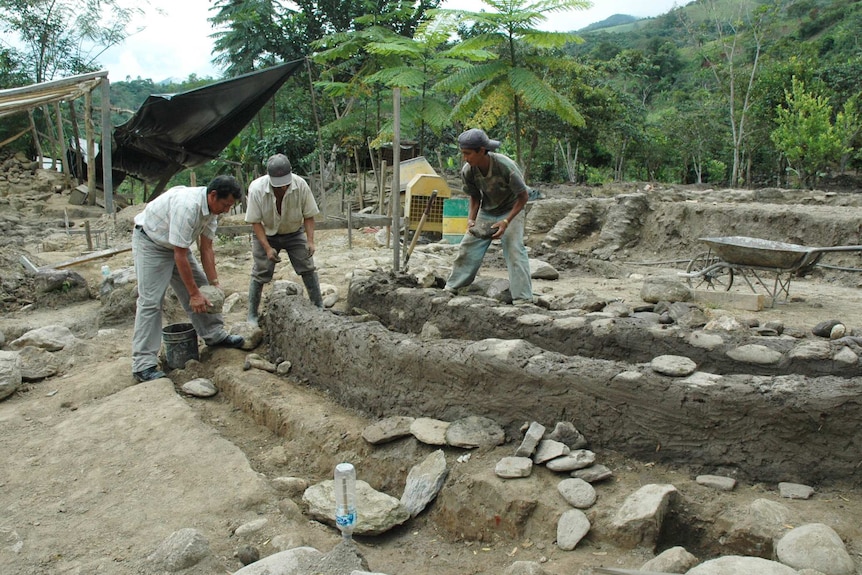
155,270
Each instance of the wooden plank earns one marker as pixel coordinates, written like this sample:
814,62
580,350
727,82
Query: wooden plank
357,221
744,301
88,257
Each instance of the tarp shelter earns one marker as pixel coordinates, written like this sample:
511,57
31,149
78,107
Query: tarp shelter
171,132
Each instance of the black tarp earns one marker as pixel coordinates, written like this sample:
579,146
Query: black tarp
171,132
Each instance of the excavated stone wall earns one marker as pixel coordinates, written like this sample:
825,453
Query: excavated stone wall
766,428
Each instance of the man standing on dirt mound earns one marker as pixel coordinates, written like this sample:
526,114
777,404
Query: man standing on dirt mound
281,210
161,247
498,195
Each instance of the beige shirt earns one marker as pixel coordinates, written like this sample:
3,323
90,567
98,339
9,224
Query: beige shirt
298,204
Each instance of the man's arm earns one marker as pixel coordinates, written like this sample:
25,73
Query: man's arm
503,225
197,301
260,234
308,223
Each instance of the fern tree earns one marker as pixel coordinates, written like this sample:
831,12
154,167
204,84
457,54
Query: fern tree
506,86
422,62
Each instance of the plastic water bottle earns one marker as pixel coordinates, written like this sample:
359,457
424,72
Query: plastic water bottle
106,271
345,498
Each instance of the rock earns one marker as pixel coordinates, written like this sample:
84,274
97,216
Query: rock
824,328
344,558
815,546
525,568
673,365
50,338
577,492
571,528
755,354
10,373
475,431
593,473
36,363
751,529
247,554
215,297
795,490
736,565
543,270
290,486
424,483
531,439
181,550
566,432
251,527
638,521
716,482
200,387
577,459
387,429
673,560
549,449
296,561
663,288
429,431
380,512
514,467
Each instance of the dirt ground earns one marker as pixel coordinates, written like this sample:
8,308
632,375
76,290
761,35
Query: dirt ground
98,471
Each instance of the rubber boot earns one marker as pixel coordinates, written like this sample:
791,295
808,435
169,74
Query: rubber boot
312,286
255,288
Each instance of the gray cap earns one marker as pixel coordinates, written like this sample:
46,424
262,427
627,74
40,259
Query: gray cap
279,170
474,138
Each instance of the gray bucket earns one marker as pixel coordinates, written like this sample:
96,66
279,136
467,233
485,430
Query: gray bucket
181,344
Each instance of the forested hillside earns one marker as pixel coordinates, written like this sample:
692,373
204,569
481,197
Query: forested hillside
724,92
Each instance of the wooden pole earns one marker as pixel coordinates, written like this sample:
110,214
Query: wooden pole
36,143
79,156
91,149
107,155
319,140
396,177
61,138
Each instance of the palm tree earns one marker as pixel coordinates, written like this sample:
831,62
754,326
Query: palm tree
502,88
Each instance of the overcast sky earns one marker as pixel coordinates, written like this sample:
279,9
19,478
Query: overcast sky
177,43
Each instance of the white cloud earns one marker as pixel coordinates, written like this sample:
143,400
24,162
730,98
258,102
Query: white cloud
177,43
174,44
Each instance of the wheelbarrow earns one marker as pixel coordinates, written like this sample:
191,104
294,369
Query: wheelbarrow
753,259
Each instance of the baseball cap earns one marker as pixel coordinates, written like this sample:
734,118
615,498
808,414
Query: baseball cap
474,138
279,170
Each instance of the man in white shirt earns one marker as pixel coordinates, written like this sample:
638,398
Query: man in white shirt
281,210
161,247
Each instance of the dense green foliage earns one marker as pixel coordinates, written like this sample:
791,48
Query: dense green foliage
739,92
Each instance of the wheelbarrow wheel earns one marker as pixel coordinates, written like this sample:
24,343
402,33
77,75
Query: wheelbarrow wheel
709,272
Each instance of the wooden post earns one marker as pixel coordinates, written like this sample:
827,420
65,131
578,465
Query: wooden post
381,189
36,143
61,137
89,237
91,149
396,176
107,155
79,156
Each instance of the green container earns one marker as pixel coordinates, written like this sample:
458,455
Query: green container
455,212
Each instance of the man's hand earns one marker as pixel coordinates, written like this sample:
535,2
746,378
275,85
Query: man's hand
199,303
272,255
501,228
310,246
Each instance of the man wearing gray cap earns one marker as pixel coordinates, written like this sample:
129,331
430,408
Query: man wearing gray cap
498,195
281,210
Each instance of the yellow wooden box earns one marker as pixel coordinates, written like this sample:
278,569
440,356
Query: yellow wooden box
416,199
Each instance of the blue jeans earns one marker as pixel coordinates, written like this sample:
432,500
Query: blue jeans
472,250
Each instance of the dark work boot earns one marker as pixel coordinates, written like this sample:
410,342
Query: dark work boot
255,288
312,286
